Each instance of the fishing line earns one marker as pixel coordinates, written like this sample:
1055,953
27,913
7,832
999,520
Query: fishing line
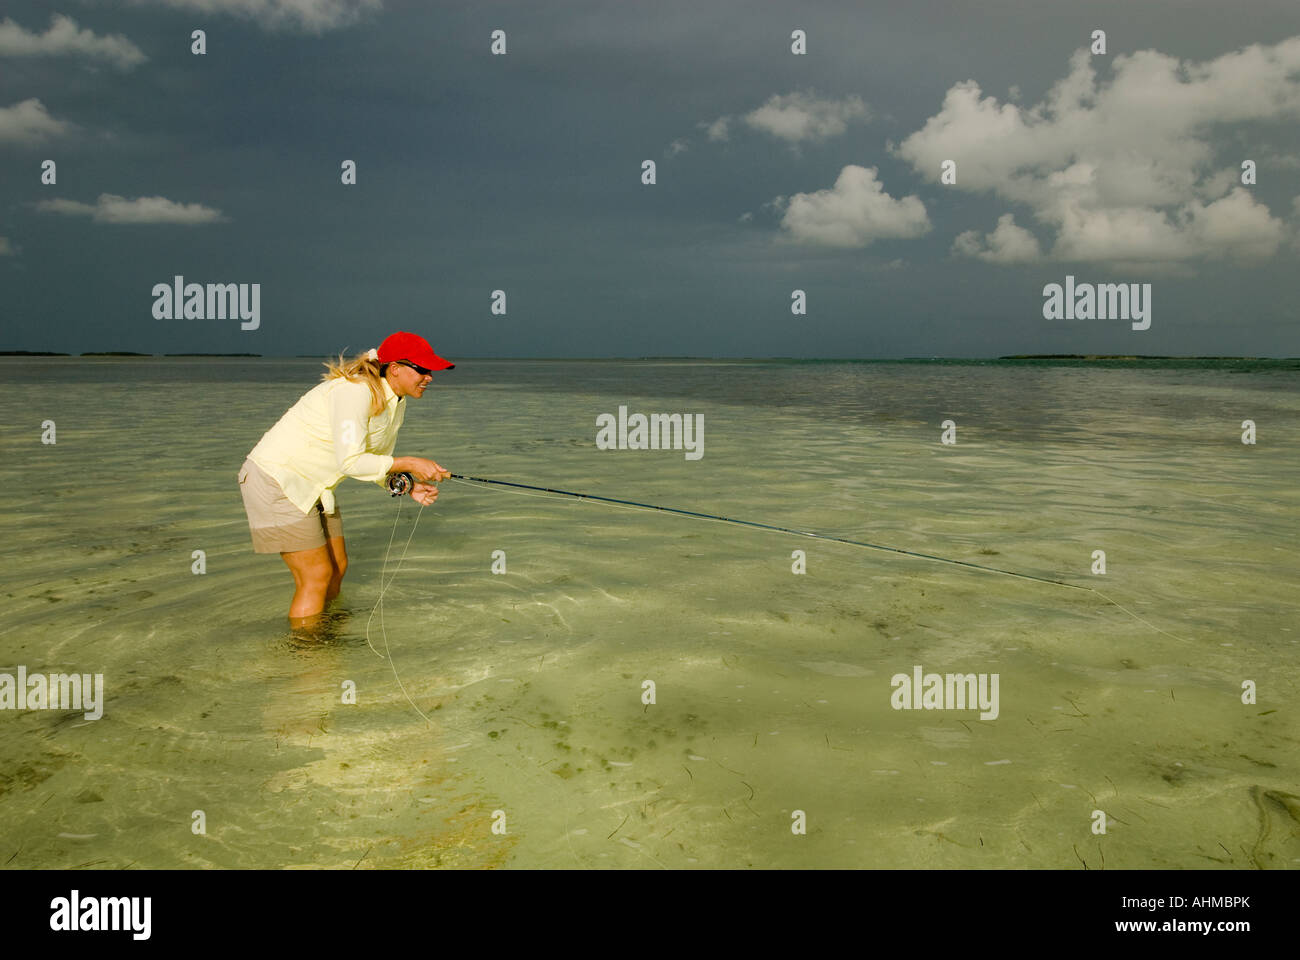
524,774
816,536
383,590
694,515
629,504
384,633
768,526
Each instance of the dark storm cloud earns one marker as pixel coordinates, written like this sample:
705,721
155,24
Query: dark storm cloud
522,173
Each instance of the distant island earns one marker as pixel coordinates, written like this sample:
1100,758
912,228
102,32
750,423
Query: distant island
115,353
1109,356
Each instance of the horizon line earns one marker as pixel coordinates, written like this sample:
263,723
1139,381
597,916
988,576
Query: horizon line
129,354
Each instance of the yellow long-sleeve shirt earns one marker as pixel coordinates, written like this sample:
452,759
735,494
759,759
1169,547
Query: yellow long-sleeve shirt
328,435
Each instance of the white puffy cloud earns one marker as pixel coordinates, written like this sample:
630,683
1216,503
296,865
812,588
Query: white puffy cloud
305,16
1008,243
64,38
797,117
717,130
1125,169
853,213
110,208
29,122
1235,226
794,117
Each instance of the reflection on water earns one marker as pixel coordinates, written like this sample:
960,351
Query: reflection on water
771,688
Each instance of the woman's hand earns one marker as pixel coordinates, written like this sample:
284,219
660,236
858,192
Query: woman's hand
424,493
425,470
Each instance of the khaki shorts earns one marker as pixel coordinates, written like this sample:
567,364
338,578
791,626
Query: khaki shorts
276,524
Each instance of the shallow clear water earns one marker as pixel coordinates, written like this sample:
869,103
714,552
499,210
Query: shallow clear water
772,690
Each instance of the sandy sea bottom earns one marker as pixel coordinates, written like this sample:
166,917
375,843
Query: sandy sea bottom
500,719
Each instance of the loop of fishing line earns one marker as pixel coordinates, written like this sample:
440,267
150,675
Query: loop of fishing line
378,603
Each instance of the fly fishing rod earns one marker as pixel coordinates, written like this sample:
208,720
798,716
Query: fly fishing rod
821,536
768,526
402,483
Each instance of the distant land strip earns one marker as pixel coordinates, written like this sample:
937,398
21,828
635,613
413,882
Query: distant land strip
1111,356
115,353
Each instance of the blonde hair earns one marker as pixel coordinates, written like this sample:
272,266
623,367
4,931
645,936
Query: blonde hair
360,369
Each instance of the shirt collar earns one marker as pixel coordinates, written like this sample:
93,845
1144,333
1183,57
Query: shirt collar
389,395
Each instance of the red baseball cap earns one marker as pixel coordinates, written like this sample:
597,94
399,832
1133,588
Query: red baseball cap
409,346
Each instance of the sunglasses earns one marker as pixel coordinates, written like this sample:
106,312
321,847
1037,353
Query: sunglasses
422,371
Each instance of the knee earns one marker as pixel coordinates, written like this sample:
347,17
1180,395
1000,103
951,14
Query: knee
340,567
318,574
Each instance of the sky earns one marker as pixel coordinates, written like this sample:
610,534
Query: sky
775,171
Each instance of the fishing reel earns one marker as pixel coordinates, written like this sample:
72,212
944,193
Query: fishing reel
400,484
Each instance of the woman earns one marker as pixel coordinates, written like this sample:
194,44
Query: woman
346,426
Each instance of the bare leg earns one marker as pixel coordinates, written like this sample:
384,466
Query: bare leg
312,572
339,560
